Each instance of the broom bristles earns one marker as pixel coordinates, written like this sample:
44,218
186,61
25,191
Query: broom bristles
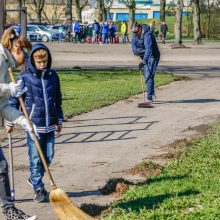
64,208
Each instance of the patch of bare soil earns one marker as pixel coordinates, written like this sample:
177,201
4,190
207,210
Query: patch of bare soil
202,129
145,169
21,167
93,209
115,186
181,78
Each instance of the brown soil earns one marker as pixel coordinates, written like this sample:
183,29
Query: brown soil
145,169
202,129
93,209
115,186
21,167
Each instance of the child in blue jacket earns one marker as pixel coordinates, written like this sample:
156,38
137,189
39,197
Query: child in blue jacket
43,102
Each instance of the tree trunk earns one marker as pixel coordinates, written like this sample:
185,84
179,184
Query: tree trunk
131,14
69,10
39,14
100,10
78,10
178,24
162,10
196,23
209,20
39,6
108,14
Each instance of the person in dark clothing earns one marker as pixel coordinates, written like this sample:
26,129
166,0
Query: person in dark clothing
95,31
112,31
144,45
163,31
83,32
69,30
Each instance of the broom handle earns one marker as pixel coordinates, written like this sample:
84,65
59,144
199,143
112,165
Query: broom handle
35,137
12,186
142,81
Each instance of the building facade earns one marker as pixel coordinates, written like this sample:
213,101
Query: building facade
145,9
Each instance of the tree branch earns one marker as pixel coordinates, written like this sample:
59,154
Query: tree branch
84,5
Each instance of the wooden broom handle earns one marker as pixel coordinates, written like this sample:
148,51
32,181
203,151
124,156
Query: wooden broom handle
35,137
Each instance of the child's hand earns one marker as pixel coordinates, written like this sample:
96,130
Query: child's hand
59,128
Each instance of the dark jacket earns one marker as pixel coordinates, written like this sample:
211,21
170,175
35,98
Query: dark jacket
96,27
145,45
163,28
43,98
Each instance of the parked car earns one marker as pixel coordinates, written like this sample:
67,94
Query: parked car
45,33
31,36
55,30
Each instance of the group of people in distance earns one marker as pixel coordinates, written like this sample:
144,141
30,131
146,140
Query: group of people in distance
103,32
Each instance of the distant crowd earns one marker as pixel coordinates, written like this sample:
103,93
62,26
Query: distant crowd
101,33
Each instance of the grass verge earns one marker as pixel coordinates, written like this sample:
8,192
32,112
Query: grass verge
187,188
86,90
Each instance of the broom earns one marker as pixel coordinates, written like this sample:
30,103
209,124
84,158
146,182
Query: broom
61,204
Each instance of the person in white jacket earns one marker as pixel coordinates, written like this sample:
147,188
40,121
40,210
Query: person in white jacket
13,51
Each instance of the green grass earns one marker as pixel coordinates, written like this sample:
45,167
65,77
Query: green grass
84,91
187,188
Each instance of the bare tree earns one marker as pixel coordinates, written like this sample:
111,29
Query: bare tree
131,5
101,10
69,14
58,10
79,8
178,24
162,10
38,8
108,5
196,22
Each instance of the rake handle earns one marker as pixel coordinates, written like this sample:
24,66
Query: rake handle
12,187
35,137
142,81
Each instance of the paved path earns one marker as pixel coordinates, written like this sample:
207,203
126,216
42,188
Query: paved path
102,144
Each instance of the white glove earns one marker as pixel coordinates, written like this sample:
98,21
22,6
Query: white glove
17,89
24,123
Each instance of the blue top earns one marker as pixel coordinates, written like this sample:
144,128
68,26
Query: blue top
105,28
43,97
145,45
77,27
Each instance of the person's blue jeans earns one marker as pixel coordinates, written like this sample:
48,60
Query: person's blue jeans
46,142
104,38
149,72
60,37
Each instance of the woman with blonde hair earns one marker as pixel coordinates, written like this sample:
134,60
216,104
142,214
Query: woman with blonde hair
13,52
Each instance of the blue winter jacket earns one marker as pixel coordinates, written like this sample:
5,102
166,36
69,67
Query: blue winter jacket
43,98
145,45
105,29
77,27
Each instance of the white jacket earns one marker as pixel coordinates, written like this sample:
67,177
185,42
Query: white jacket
6,61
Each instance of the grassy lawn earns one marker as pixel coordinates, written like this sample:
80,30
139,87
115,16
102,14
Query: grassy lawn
187,188
84,91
